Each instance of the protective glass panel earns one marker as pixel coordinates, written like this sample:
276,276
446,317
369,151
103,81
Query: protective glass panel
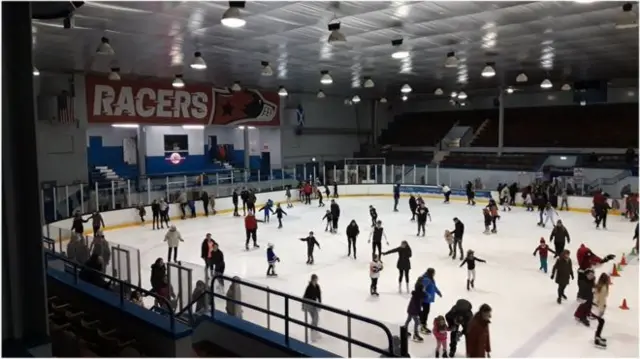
198,273
120,264
179,279
134,264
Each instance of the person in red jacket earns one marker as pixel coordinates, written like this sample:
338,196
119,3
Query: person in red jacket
251,228
543,249
588,260
307,193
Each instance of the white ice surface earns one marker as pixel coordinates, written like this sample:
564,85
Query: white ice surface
527,322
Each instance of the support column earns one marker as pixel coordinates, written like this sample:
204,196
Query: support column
141,144
247,147
500,122
24,286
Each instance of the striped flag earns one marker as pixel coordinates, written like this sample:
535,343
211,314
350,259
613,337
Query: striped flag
300,115
66,112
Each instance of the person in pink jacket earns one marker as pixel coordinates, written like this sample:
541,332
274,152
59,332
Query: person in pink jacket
440,333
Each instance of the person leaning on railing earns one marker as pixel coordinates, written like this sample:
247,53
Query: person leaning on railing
92,272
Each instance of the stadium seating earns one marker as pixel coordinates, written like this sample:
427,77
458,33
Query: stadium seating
508,161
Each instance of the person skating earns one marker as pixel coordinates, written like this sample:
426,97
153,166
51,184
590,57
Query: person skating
374,215
319,193
431,289
141,212
413,205
505,198
155,212
335,189
164,212
495,215
234,199
173,239
446,191
413,311
543,251
335,215
313,295
244,195
204,197
329,218
541,200
602,212
559,237
158,272
458,319
458,234
287,194
550,215
251,201
601,293
251,229
311,244
206,253
352,235
448,237
272,258
470,194
486,214
586,283
470,260
419,201
376,235
77,249
422,214
477,340
375,267
327,193
396,196
404,263
268,210
182,200
588,260
562,270
217,259
528,202
101,247
440,333
564,203
78,223
279,212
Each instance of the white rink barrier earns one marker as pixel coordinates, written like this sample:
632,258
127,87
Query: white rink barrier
129,217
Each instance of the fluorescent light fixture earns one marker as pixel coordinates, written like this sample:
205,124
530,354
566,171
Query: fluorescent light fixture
383,100
462,95
125,125
282,92
399,55
335,35
406,88
438,91
198,62
326,79
114,75
546,84
321,94
405,98
583,103
454,94
510,90
565,87
193,127
36,72
231,17
355,99
240,127
236,87
368,83
522,77
451,61
251,127
178,82
488,71
105,48
563,158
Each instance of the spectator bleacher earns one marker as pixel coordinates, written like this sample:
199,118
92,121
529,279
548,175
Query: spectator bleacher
418,129
491,161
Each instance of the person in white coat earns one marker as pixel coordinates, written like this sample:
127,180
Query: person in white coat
447,192
550,215
505,198
173,239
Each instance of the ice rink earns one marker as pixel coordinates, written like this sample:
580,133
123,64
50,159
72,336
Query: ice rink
527,321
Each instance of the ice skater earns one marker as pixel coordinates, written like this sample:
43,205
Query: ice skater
422,214
352,234
404,263
543,251
272,258
376,235
413,205
279,212
374,215
375,267
268,209
470,261
329,218
311,244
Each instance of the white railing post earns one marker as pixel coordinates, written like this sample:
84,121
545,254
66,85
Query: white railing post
97,197
55,203
324,174
384,173
246,176
402,178
258,176
42,216
128,193
426,174
304,172
282,176
185,182
369,172
335,174
231,177
81,198
415,169
357,174
271,178
346,174
315,175
66,200
393,174
295,175
113,195
148,190
437,174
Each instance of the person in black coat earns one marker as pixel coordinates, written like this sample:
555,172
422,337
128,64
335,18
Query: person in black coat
396,196
459,316
470,194
234,200
335,215
155,211
206,252
217,259
352,234
78,223
244,196
422,214
562,270
158,272
313,295
404,263
92,272
311,244
458,234
559,237
413,205
586,283
541,201
204,196
279,213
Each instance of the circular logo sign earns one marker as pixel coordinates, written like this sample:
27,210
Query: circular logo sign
175,158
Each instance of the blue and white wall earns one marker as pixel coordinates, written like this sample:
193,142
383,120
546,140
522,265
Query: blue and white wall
105,148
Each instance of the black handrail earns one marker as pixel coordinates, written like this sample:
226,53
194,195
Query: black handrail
121,283
287,319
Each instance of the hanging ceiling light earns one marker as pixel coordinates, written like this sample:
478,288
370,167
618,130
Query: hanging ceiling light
266,69
454,94
105,48
198,62
325,79
462,95
321,94
114,75
451,61
335,35
178,82
488,71
438,91
383,100
546,84
347,101
36,72
406,88
399,52
355,99
236,87
368,83
522,78
405,97
565,87
231,17
282,92
510,90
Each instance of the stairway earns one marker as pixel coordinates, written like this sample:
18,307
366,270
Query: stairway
439,156
104,175
479,131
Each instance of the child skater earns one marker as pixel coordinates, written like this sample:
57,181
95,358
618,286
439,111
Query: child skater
550,215
141,212
487,220
268,209
374,215
319,193
470,261
375,267
495,215
422,214
543,250
279,212
413,311
528,202
287,194
448,237
311,243
272,258
440,333
413,205
329,217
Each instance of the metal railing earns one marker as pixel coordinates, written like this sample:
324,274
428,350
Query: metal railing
123,288
288,320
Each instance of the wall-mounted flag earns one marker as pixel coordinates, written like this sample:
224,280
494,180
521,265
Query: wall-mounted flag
300,115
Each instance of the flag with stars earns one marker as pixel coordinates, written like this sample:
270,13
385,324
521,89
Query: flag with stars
300,116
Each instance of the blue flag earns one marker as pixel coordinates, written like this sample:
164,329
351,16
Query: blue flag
300,116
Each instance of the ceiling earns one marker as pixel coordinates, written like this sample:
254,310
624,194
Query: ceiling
564,40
